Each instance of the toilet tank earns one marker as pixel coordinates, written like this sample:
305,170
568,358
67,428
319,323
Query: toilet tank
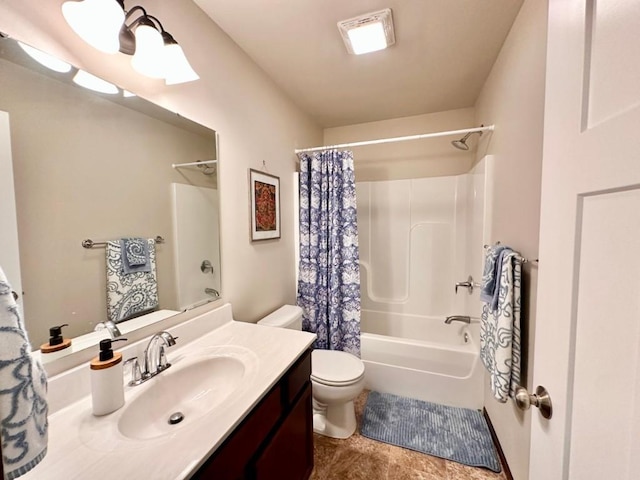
287,316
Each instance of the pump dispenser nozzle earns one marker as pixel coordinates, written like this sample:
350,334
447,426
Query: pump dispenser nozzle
106,351
56,341
56,334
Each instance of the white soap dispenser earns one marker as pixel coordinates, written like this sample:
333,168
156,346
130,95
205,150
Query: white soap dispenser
107,384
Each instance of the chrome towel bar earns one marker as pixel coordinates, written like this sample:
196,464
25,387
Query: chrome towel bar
520,257
88,243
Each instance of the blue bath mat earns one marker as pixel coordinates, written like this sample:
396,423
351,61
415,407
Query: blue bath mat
458,434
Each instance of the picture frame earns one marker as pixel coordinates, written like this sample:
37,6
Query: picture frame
264,192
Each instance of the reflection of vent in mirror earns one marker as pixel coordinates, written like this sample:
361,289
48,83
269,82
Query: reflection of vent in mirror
195,214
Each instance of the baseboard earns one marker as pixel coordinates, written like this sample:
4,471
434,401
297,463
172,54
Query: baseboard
496,442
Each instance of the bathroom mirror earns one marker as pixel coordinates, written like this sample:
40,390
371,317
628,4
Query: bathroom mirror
99,166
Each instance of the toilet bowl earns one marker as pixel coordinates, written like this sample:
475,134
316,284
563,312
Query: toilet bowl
337,378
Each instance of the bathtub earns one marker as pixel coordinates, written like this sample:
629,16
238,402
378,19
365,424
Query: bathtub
422,357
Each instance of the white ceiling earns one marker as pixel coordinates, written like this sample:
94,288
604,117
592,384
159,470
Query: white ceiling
443,53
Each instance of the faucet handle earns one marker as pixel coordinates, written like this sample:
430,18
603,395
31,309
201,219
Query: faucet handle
136,374
163,364
469,285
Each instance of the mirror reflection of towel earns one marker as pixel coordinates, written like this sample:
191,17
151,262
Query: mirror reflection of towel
23,389
130,294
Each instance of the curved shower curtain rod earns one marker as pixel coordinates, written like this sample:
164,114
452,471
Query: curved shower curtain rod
398,139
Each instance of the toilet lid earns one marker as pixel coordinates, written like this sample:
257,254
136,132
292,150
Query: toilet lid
335,367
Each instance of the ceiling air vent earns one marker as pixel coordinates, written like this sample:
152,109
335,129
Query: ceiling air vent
369,32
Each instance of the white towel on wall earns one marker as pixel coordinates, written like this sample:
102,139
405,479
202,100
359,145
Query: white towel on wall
129,294
500,347
23,389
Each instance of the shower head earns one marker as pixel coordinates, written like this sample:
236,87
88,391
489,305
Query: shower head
207,168
462,143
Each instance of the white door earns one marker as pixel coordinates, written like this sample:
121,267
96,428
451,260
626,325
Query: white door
587,339
9,258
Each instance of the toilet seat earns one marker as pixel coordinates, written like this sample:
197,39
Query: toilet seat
335,368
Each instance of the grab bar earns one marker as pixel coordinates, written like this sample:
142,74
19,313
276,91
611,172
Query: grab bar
457,318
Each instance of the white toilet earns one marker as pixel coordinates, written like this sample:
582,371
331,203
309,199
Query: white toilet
336,379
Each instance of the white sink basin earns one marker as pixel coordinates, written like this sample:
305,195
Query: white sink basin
193,386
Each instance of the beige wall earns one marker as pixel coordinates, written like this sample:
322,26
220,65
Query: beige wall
411,159
255,120
513,99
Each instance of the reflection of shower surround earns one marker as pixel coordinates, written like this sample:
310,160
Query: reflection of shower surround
196,253
412,243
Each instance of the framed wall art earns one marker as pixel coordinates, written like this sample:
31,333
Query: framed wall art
265,205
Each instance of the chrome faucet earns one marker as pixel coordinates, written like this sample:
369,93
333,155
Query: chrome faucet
212,291
457,318
113,329
154,358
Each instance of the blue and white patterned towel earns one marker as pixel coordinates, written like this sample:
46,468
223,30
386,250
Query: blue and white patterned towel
491,275
500,330
136,255
130,294
23,390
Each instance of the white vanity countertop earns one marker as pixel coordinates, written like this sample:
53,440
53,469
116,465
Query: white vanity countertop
83,446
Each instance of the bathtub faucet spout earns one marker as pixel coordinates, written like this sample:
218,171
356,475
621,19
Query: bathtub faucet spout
457,318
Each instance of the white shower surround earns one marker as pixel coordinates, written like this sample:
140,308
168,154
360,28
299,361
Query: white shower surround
419,237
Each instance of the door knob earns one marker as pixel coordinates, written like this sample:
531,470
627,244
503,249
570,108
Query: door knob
540,399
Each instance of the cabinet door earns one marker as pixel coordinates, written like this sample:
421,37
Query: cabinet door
232,458
289,455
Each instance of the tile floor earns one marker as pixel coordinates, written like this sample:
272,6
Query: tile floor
359,457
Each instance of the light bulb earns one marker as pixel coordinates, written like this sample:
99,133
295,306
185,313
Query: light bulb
178,69
97,22
149,58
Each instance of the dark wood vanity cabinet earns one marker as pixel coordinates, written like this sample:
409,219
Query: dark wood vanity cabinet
275,441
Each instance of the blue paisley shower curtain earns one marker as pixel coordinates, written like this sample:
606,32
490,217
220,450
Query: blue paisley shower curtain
329,275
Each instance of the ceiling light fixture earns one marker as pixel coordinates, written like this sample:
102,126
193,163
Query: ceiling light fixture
45,59
155,52
368,33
